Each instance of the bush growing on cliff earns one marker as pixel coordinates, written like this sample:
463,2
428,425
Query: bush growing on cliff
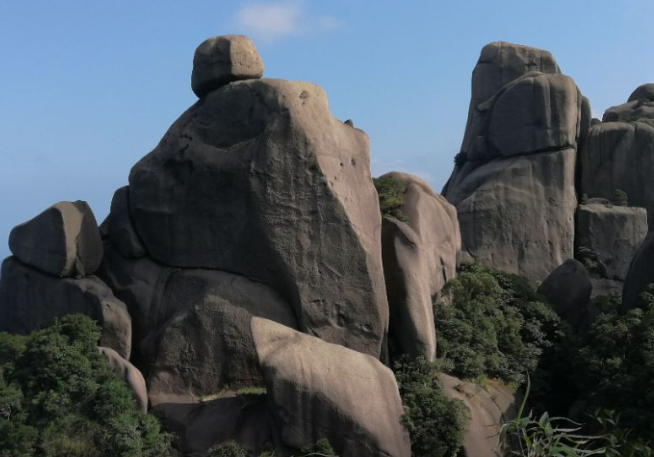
436,424
391,197
496,326
59,397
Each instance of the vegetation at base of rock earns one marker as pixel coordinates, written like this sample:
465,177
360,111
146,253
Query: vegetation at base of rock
391,197
496,326
620,198
591,261
232,449
526,436
59,397
436,424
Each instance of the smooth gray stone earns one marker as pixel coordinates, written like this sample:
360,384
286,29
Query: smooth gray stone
30,299
118,227
568,289
641,273
317,390
222,59
64,240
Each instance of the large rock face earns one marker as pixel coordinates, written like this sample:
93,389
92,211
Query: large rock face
193,326
641,273
568,288
63,240
612,233
258,179
489,407
419,258
620,156
319,390
118,227
30,299
513,184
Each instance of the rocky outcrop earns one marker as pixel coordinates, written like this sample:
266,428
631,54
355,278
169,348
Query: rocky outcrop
258,179
620,156
514,180
129,374
641,273
419,258
63,240
640,106
30,299
612,233
192,326
222,59
568,289
118,228
318,390
230,417
490,407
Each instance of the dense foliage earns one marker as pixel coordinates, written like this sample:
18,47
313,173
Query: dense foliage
59,397
321,448
391,197
496,326
620,198
436,424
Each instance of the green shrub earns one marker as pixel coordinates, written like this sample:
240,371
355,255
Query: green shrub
321,448
228,449
59,397
436,424
496,326
391,197
620,198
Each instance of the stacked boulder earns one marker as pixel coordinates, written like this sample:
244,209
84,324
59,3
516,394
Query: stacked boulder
419,259
50,275
619,152
514,180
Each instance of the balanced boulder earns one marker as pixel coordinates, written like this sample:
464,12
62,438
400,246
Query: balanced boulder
568,289
514,181
419,258
222,59
30,299
641,273
259,179
129,374
64,240
317,390
612,233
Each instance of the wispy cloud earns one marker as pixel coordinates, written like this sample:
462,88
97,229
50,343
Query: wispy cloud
271,21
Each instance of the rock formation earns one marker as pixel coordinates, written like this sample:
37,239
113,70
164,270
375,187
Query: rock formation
619,153
611,234
129,374
63,240
419,258
568,289
489,406
641,273
317,390
513,183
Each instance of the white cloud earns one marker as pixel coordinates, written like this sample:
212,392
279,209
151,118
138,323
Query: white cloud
270,21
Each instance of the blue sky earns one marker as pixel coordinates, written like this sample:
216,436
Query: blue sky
87,87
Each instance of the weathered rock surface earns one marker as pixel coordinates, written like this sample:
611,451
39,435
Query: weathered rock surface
419,258
222,59
260,180
199,426
643,92
605,287
568,289
129,374
118,227
613,233
641,273
192,326
30,299
514,181
620,156
319,390
489,407
517,213
63,240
